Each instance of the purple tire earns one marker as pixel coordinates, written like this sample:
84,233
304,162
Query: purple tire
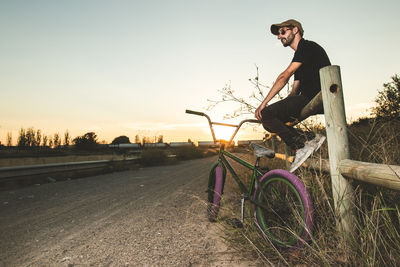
215,194
283,209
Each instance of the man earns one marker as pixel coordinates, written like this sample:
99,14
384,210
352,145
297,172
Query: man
308,59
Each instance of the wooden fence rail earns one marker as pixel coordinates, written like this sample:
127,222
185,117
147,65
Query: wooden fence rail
339,165
387,176
378,174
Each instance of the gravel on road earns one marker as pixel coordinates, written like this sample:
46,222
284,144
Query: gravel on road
153,216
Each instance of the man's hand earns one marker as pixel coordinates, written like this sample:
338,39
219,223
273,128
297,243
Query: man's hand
280,82
257,114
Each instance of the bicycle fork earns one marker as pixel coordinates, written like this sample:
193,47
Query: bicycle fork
245,197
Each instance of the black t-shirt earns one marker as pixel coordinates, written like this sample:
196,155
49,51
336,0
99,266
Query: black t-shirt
313,57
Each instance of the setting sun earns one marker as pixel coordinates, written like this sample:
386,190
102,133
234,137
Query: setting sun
223,132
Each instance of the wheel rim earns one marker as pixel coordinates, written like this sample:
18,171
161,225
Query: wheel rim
214,193
281,214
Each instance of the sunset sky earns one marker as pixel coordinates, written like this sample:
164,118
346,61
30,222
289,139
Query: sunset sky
133,67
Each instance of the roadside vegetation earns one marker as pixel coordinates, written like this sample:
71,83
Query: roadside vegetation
121,155
375,239
32,143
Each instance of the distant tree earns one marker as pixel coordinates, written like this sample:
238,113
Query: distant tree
160,139
87,141
145,140
121,140
57,140
38,137
67,138
44,142
137,139
50,140
21,142
30,137
388,100
9,139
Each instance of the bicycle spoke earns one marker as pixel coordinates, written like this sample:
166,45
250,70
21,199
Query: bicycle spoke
281,213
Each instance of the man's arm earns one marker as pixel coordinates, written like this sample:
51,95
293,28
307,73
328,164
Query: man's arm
280,82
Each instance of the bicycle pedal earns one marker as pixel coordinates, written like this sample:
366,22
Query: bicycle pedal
234,222
245,197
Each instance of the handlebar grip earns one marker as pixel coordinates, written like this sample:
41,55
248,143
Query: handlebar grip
195,112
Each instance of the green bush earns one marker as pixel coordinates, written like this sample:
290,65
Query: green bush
153,156
183,153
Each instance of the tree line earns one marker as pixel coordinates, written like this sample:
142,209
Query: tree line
31,138
35,138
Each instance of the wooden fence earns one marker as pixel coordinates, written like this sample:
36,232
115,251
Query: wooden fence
340,166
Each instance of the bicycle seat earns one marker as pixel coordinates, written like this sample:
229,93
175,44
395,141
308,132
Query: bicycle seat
260,151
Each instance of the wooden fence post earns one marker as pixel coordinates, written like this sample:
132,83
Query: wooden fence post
338,145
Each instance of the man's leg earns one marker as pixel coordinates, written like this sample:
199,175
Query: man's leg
274,118
277,114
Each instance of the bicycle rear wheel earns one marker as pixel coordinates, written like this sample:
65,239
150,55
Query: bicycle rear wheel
283,209
215,193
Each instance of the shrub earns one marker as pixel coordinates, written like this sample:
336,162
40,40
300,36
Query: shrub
87,141
121,140
153,156
183,153
388,100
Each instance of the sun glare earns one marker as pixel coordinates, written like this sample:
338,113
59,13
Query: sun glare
223,132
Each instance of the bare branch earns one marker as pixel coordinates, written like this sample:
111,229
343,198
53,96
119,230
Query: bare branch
246,106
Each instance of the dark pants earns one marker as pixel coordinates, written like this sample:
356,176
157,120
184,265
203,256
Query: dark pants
277,114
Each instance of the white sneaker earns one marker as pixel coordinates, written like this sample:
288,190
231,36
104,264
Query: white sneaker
304,153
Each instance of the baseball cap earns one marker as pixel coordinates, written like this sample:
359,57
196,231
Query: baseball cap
287,23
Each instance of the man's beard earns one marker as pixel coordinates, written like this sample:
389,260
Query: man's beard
288,40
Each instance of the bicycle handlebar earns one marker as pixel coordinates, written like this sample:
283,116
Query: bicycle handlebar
223,124
195,112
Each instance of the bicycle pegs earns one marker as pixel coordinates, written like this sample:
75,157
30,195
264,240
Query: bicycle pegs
268,136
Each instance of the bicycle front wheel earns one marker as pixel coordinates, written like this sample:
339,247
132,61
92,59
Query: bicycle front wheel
283,209
215,193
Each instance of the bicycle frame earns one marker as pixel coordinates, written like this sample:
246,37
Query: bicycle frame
256,174
223,154
274,225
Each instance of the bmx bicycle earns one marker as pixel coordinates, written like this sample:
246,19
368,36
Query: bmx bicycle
281,205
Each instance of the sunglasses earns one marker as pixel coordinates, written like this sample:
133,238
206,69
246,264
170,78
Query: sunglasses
283,31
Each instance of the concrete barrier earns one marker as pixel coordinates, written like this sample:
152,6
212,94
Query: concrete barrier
155,145
180,144
208,143
135,145
13,177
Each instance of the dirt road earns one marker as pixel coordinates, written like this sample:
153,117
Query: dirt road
146,217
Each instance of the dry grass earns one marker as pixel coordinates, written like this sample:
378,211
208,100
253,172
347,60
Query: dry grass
375,239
